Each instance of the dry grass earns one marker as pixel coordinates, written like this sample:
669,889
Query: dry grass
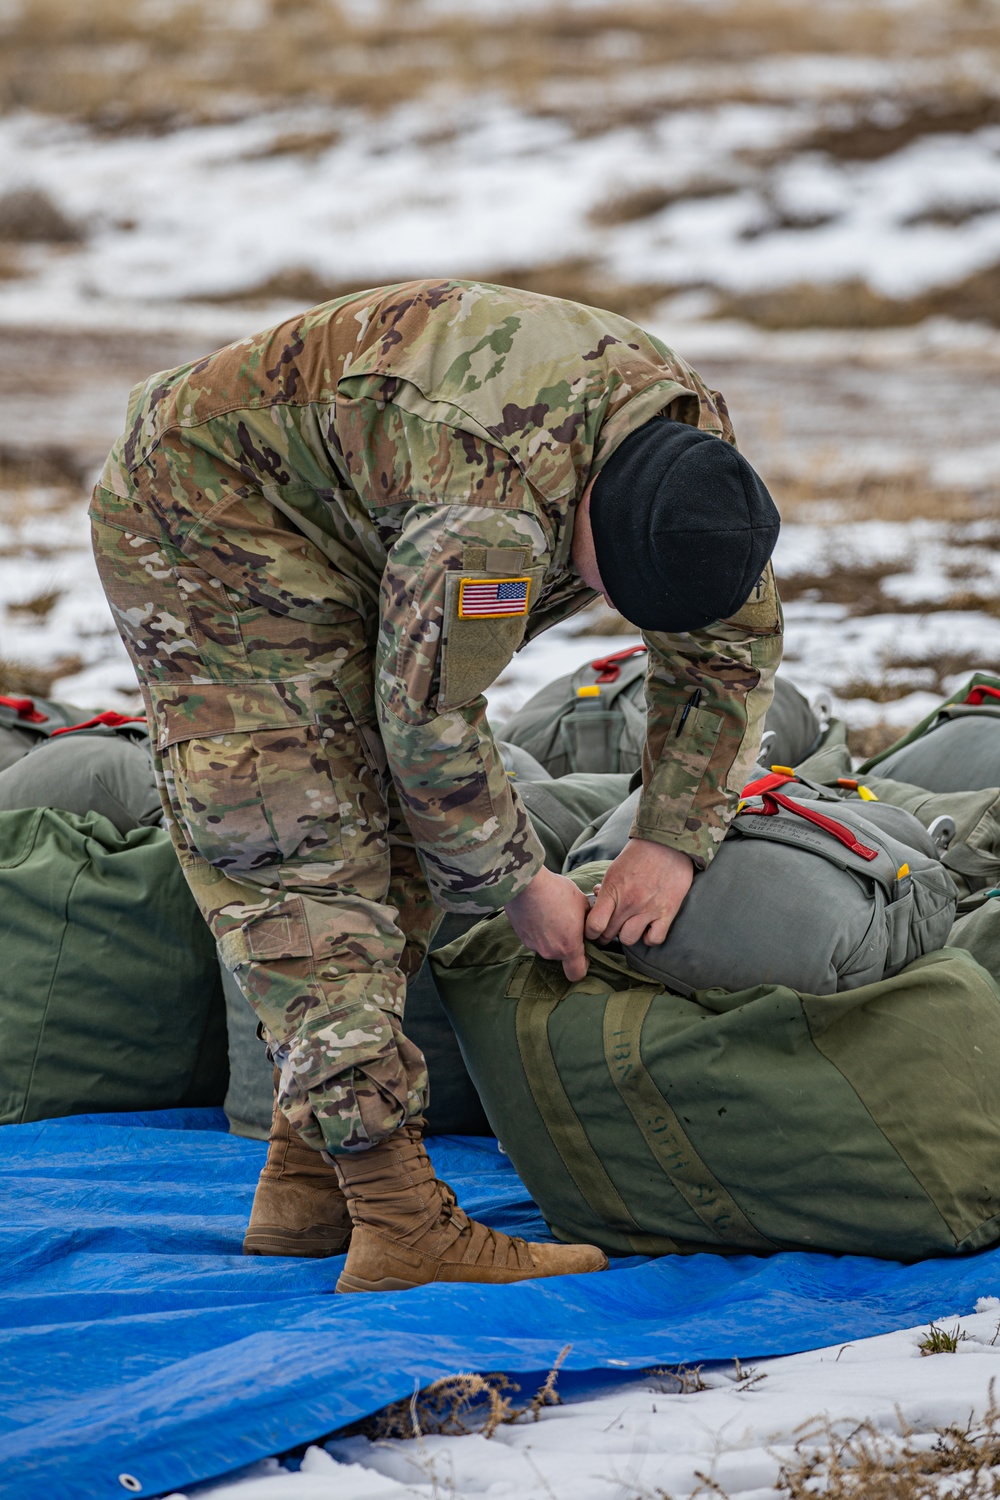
677,1380
853,304
457,1406
34,680
902,496
873,1465
930,674
958,1462
579,280
867,139
122,65
42,467
629,206
39,606
874,738
27,215
857,585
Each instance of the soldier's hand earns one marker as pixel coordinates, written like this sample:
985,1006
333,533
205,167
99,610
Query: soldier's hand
641,894
548,917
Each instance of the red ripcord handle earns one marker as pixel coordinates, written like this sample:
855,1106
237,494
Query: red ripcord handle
25,709
773,800
110,718
972,701
610,666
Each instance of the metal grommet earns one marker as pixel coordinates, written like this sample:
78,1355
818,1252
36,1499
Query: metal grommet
130,1483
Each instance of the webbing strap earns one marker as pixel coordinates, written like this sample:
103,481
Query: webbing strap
560,1119
975,698
109,719
662,1131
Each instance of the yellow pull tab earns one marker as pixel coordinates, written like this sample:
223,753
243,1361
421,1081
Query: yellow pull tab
589,692
784,770
867,795
902,872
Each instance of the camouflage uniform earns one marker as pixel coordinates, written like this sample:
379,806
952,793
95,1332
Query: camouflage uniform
282,532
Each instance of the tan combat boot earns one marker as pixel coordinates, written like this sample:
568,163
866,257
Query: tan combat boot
409,1230
299,1207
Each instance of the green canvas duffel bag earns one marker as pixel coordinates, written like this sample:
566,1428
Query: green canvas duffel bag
954,749
110,996
863,1123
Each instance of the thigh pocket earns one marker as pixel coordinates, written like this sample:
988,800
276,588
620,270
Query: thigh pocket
262,777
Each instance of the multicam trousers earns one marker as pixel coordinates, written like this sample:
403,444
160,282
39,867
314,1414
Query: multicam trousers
284,819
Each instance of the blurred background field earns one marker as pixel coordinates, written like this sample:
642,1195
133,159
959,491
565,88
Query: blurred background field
802,197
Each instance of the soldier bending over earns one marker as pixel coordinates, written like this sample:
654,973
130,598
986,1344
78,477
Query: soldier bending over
321,545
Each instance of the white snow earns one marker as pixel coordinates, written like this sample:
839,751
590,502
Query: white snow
459,185
636,1441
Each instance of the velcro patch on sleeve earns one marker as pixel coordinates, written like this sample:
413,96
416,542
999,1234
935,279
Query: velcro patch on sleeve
493,598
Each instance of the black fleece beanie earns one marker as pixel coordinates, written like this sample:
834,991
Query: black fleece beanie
683,527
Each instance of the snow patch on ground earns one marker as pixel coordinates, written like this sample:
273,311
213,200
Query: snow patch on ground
637,1441
476,185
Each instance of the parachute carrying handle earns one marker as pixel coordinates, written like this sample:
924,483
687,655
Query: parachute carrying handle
609,667
25,709
974,699
109,719
773,801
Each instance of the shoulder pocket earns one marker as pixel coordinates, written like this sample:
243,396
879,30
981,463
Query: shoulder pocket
479,639
761,614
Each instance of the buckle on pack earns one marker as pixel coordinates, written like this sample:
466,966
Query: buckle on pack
610,666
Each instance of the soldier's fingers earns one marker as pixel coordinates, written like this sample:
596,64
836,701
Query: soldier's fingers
600,914
632,928
575,967
656,932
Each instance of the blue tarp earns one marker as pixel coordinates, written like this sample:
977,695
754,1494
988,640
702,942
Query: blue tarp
137,1340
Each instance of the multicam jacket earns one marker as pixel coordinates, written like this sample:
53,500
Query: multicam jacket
422,438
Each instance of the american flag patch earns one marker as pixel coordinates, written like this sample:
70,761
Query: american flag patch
492,598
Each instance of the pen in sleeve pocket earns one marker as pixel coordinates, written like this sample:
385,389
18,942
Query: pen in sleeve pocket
692,702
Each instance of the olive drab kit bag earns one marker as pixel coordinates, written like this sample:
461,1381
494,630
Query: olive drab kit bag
761,1119
110,996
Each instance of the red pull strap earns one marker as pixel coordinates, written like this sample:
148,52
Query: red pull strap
25,709
610,666
767,783
976,696
110,717
846,836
